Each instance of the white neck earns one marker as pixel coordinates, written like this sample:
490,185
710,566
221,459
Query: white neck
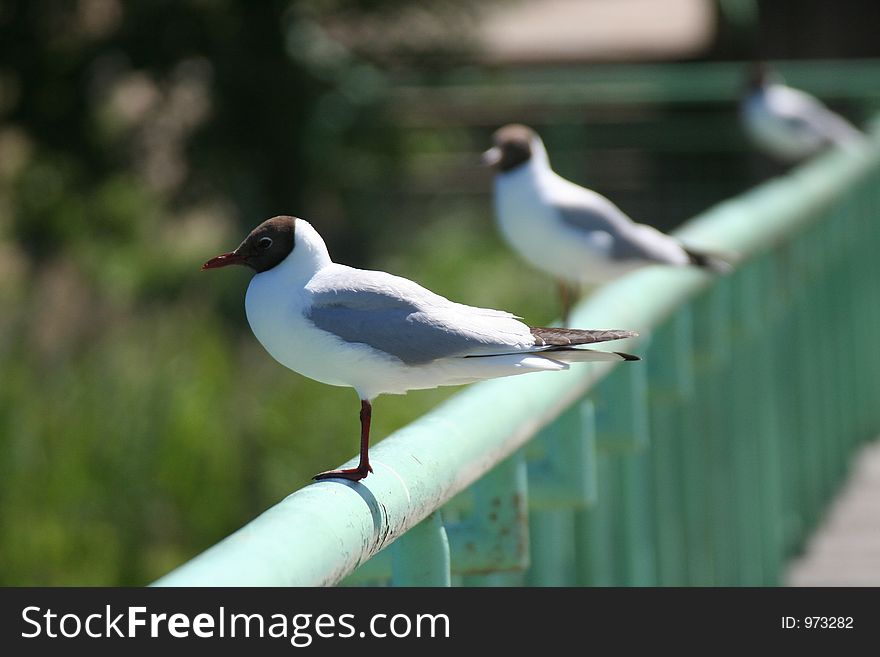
309,253
539,160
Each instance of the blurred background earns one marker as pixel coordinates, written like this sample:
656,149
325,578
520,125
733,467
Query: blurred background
140,421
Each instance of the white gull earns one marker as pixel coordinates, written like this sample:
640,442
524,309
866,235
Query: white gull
379,333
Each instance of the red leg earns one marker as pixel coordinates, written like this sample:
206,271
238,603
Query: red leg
363,467
567,294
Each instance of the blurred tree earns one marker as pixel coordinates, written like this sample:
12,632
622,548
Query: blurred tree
270,106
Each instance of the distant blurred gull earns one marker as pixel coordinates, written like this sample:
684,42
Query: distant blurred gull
569,231
790,124
379,333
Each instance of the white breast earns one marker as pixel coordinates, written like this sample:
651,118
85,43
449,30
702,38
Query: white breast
274,312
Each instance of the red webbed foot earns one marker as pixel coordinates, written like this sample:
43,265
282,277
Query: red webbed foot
352,474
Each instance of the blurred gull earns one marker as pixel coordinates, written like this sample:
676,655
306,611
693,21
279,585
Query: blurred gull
380,333
569,231
790,124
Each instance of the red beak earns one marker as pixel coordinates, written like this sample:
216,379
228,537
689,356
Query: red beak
224,260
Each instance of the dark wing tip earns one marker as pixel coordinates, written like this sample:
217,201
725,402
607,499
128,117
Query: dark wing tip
564,337
714,262
627,356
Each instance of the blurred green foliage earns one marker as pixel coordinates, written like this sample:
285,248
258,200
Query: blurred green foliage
140,421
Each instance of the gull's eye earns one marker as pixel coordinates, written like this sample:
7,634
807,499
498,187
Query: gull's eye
264,242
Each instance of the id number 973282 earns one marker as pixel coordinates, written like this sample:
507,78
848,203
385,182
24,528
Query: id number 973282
817,622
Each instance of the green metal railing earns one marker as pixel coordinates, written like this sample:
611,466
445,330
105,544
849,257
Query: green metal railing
705,464
471,95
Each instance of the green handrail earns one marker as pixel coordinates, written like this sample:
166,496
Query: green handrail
705,464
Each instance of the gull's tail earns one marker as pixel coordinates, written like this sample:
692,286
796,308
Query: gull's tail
559,343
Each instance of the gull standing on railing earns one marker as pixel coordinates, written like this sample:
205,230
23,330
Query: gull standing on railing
566,230
789,124
379,333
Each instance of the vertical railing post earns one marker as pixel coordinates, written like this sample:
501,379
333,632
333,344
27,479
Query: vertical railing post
614,539
552,553
807,380
596,553
421,556
762,328
565,474
712,359
867,276
746,430
492,535
562,482
677,456
786,382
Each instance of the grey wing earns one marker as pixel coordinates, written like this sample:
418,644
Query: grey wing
811,116
837,129
402,319
810,126
647,243
587,211
626,240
